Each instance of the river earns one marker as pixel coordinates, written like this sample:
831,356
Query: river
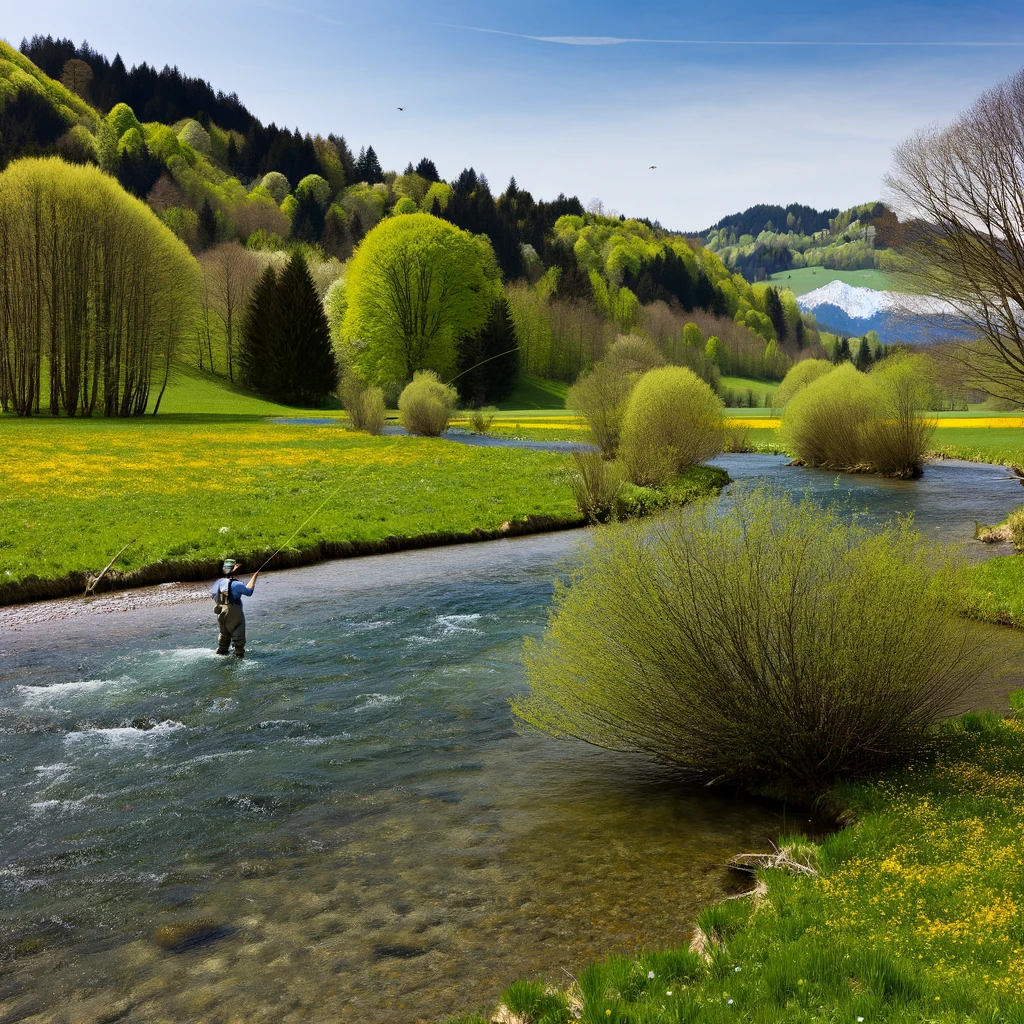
352,806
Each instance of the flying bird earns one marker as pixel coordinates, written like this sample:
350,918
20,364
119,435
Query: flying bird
653,167
401,108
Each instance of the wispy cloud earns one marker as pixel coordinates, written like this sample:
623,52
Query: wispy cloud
846,43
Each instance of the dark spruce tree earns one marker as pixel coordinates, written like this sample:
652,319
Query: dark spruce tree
257,351
427,169
368,167
206,228
306,370
842,352
773,307
489,361
864,357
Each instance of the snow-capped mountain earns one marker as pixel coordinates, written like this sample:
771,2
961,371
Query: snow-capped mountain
895,317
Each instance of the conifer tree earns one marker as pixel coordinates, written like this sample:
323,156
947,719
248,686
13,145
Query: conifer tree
427,169
305,368
256,356
864,357
489,360
773,307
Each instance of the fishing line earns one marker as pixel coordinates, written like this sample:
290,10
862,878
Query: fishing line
515,348
345,481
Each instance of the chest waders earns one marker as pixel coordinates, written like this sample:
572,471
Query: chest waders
230,620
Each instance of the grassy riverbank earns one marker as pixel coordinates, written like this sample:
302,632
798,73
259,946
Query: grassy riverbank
917,913
185,491
189,491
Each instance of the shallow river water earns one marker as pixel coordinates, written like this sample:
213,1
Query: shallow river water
351,806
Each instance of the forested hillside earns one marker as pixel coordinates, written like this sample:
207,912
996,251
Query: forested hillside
247,199
764,240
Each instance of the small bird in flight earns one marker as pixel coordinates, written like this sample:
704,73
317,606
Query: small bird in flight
401,108
653,167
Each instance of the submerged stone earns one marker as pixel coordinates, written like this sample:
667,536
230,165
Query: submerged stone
183,935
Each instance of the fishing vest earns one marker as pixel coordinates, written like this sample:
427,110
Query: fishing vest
225,598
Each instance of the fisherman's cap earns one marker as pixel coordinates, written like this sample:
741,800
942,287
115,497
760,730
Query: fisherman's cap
230,565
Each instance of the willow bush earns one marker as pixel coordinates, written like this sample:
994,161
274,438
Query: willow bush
426,405
95,292
858,422
363,403
807,371
772,645
672,421
601,394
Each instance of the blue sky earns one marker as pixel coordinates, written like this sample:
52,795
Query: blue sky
736,103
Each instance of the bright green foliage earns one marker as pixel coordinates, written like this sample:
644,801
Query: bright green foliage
92,271
195,135
426,404
600,397
673,421
858,422
714,350
161,141
18,73
439,192
122,118
290,206
760,324
277,185
626,309
131,143
315,186
416,286
772,644
411,186
532,1003
405,205
692,335
801,374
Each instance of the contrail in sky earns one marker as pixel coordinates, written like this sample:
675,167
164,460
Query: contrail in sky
619,41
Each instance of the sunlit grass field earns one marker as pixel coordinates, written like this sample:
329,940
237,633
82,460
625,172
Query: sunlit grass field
187,489
807,279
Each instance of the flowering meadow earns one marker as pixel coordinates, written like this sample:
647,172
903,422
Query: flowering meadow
75,492
916,914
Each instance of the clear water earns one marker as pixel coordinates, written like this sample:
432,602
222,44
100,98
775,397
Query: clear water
352,805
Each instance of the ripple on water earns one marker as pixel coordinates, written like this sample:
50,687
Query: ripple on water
71,690
125,735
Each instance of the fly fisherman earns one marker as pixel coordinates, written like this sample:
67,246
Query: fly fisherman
227,594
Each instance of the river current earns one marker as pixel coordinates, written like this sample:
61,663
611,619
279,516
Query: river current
351,810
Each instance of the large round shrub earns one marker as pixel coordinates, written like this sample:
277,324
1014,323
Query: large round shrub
673,420
122,119
426,405
277,185
807,371
195,135
773,644
600,394
854,421
824,422
417,286
315,186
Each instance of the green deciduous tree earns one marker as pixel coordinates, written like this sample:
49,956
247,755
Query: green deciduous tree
94,290
416,287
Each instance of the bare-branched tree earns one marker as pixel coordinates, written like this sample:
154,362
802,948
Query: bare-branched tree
960,191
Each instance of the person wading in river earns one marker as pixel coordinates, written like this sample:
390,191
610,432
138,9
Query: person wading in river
227,594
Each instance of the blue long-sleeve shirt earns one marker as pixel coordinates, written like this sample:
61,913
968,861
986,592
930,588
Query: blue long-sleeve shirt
238,590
